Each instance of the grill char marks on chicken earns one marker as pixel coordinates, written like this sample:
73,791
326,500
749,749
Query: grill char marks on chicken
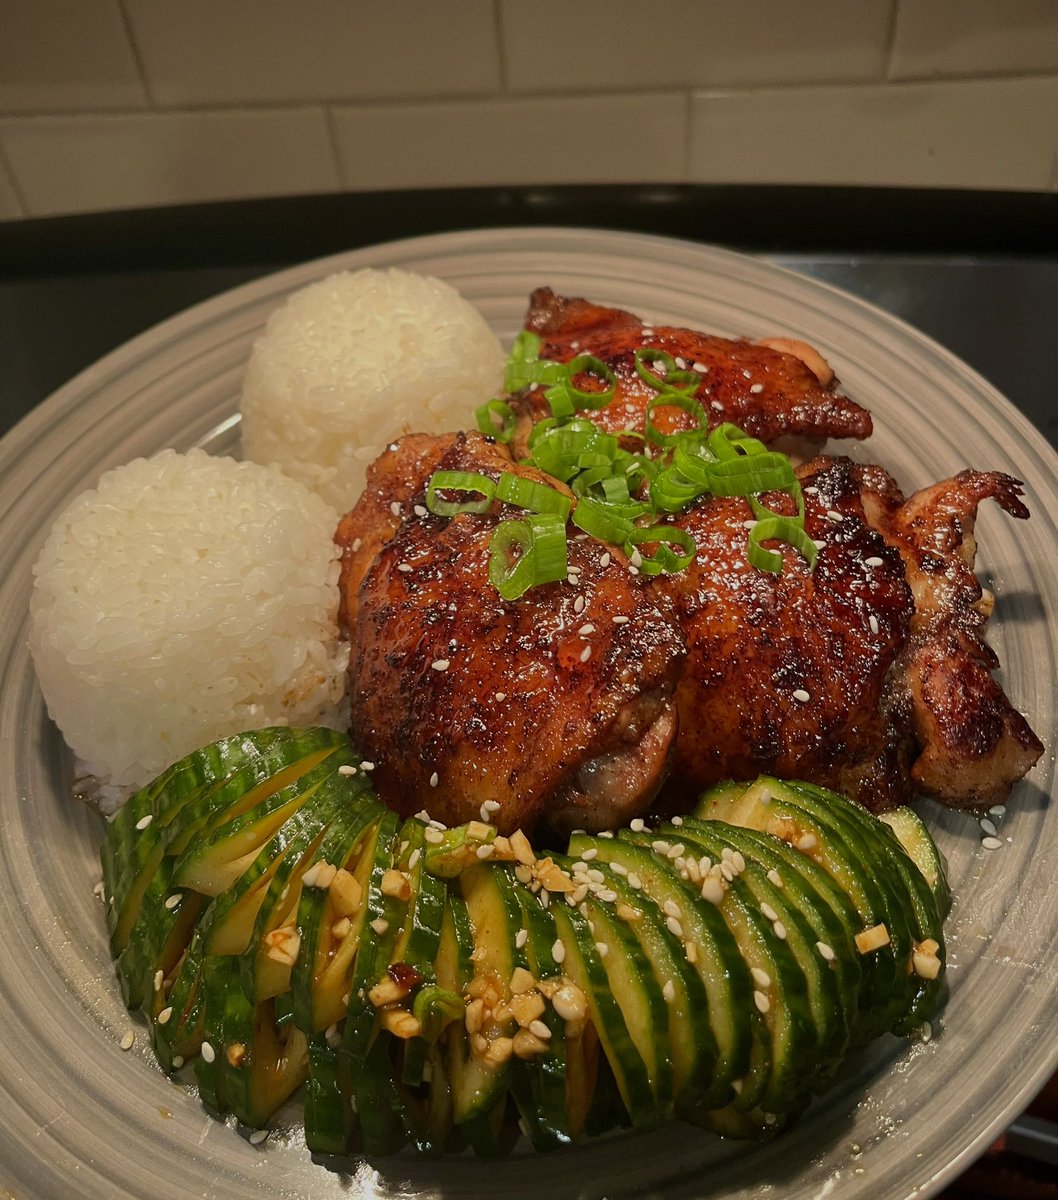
545,705
787,674
773,388
868,675
974,745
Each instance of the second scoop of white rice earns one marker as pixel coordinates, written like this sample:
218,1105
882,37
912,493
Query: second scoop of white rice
183,599
351,362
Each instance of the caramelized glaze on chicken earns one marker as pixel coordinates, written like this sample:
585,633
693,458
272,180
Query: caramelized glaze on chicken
557,706
576,703
772,388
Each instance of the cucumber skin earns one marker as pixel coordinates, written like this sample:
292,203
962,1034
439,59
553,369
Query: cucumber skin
214,998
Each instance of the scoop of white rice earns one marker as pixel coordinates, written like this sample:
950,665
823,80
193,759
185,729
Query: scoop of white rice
351,362
184,599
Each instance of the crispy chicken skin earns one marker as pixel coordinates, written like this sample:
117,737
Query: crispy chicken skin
868,675
546,706
772,389
787,674
973,744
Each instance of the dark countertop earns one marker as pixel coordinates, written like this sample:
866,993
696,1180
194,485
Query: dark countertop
976,271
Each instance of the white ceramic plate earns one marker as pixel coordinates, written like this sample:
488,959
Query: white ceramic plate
79,1117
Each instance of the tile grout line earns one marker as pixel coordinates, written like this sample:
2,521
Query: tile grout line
401,102
137,57
890,41
7,167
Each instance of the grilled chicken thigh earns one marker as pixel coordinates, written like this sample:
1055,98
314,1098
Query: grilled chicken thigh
867,675
556,707
772,388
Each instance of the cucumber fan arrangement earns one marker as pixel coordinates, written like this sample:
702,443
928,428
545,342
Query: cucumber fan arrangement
444,988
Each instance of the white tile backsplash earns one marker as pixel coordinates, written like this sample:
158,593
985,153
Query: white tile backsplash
597,139
67,164
976,134
112,103
239,51
967,37
65,54
605,44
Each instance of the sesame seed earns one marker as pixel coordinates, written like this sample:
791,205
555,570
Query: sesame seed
434,836
485,850
500,697
712,890
998,810
439,825
178,1061
738,862
605,560
834,515
434,779
357,543
669,991
602,948
419,511
143,822
676,851
578,604
991,843
164,1015
636,825
672,909
540,1029
346,770
674,927
395,508
925,1031
873,622
779,929
208,1053
988,826
258,1136
159,979
172,901
440,664
826,951
127,1040
807,841
589,854
606,895
761,1001
573,569
413,858
619,868
380,925
634,881
873,561
769,912
760,977
801,696
757,388
558,951
585,654
99,889
774,877
521,937
677,821
701,368
365,765
818,543
584,630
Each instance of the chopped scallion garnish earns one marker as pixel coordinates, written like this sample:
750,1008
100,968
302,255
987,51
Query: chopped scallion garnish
465,482
527,551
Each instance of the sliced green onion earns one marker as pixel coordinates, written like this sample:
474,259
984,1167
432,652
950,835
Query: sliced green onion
748,475
781,529
526,551
664,558
525,366
672,491
671,400
601,522
692,457
684,383
459,481
497,419
728,441
527,493
566,398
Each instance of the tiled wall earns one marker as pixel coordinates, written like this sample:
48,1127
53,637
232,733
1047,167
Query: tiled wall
119,103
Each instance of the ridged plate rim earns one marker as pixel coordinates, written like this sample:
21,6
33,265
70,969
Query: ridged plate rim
76,1113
